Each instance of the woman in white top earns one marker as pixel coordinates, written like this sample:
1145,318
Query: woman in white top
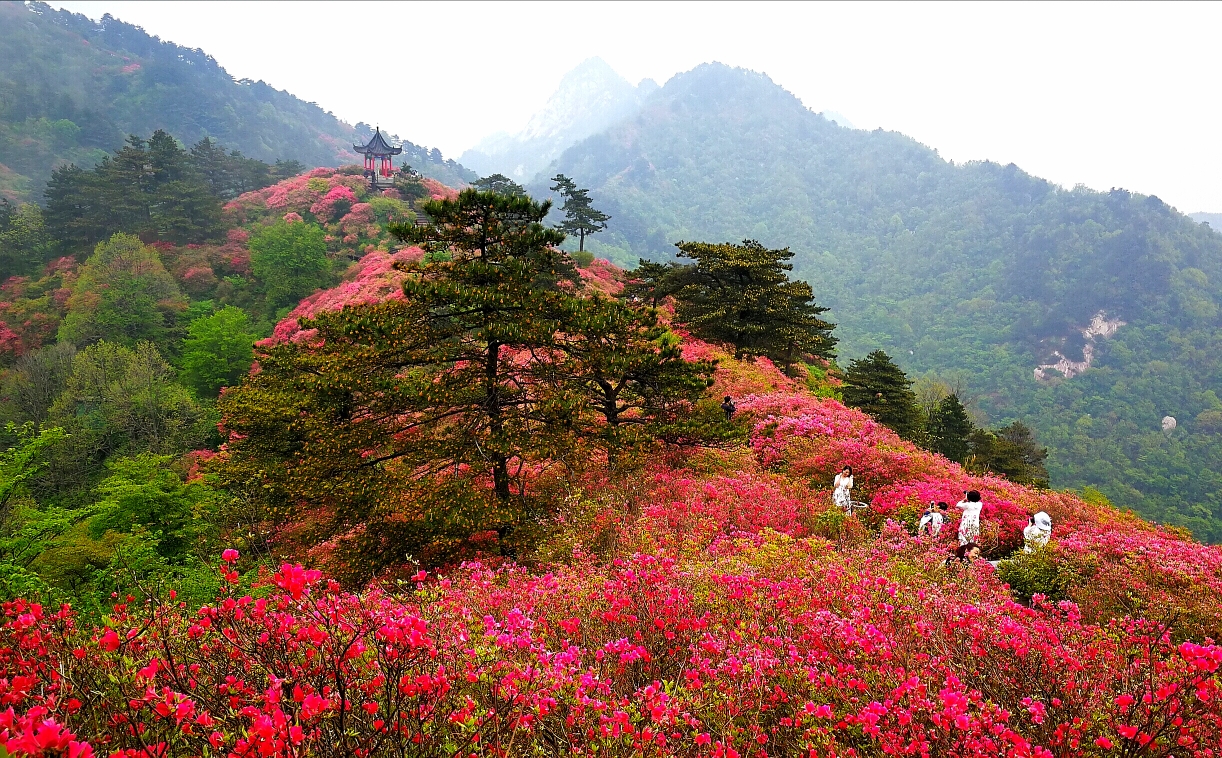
969,525
842,489
1037,533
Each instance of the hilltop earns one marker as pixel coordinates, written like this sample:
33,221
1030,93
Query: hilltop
71,90
977,274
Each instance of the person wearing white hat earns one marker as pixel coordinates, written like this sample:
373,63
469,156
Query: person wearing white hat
1038,532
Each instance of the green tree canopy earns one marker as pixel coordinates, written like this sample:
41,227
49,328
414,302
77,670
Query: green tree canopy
123,295
25,245
877,386
145,492
949,429
121,400
35,380
500,184
290,259
1011,451
742,294
218,351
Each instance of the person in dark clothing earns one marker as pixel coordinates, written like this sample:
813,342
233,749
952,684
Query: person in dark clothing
728,406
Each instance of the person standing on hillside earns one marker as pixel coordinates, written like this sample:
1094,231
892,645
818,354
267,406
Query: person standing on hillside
1038,532
969,524
728,406
842,489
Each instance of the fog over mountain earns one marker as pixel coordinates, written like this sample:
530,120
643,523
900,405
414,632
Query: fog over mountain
590,98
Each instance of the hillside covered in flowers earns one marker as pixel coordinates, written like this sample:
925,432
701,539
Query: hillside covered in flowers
702,600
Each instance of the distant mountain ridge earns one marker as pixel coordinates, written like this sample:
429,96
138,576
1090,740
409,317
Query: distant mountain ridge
590,98
974,271
1213,219
71,90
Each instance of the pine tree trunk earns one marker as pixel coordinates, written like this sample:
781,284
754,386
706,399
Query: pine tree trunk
492,394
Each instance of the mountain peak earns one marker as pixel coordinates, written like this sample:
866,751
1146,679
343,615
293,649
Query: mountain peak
589,99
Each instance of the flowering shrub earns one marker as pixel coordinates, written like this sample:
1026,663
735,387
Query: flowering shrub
602,276
30,310
335,203
437,190
374,279
777,647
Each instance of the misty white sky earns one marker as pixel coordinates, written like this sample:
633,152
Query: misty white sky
1103,94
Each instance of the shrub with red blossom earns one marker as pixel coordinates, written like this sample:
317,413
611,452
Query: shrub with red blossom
437,190
30,310
334,204
373,279
774,647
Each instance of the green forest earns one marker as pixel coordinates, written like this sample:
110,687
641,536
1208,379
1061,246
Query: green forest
131,298
71,90
968,274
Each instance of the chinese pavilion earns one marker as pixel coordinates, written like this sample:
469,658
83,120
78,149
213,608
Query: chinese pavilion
378,149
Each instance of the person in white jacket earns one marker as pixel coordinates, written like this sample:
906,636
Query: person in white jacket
1038,532
931,521
969,524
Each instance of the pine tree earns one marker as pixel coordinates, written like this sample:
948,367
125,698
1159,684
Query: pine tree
421,418
877,386
149,189
636,386
500,184
949,429
581,218
653,282
400,411
742,294
1011,451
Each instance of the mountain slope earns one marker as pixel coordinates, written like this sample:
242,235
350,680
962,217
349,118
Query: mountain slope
978,272
590,98
72,89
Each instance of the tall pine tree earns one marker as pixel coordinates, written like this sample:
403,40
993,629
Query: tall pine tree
635,385
500,184
581,218
877,386
422,420
949,429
